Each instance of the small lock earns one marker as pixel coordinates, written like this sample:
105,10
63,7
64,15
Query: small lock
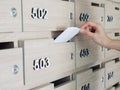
15,69
72,56
102,79
71,16
13,12
102,18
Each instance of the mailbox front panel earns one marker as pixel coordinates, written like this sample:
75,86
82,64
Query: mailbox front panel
89,80
44,15
87,52
112,73
47,61
11,67
112,18
89,10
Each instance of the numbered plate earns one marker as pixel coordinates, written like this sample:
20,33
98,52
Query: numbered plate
47,15
87,53
112,73
112,18
10,16
11,69
111,53
46,61
68,86
93,12
89,80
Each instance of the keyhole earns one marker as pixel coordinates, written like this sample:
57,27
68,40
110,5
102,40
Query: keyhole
13,12
15,69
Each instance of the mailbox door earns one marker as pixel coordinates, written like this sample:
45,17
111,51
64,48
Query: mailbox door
47,61
87,52
89,10
47,15
11,67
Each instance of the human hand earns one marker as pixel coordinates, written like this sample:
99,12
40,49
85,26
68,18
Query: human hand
96,33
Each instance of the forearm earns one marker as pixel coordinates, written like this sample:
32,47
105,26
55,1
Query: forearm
113,44
99,36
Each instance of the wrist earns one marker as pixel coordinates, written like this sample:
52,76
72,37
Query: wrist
107,42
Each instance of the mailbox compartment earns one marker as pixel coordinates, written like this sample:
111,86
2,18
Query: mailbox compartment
89,10
89,80
112,18
47,15
112,73
10,16
11,67
46,61
87,52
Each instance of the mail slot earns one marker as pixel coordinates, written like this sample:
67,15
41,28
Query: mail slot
87,52
89,10
11,69
67,86
112,53
47,15
89,80
10,16
112,73
112,12
46,61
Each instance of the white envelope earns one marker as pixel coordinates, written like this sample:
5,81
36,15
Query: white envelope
67,35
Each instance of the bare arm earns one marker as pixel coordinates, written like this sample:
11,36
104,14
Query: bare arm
97,34
114,44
